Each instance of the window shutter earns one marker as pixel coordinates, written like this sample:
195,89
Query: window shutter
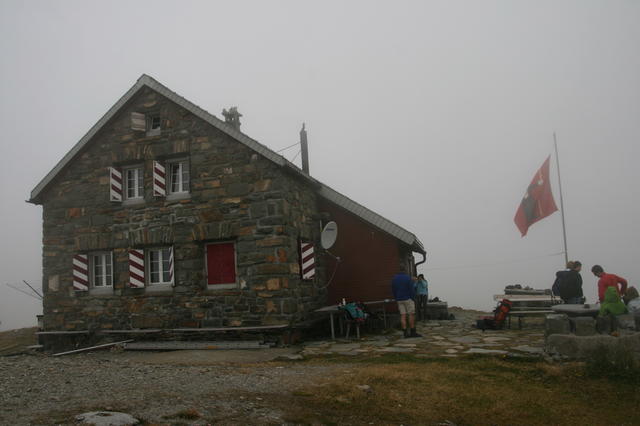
115,184
81,272
159,187
136,268
221,264
171,263
307,261
138,122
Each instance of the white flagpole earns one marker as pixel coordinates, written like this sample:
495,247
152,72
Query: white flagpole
564,230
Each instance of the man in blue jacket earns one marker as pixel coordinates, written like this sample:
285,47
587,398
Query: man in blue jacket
403,292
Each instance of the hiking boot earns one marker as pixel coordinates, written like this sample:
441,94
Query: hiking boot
406,332
414,334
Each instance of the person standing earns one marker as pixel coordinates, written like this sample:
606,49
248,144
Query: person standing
570,283
402,288
422,297
608,280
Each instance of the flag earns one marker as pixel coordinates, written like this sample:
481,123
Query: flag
537,202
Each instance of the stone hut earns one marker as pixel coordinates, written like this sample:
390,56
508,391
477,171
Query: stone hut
163,216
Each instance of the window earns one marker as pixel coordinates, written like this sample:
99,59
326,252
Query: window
133,183
101,270
178,177
153,124
221,264
160,266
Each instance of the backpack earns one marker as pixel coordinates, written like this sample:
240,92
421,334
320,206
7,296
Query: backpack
500,314
355,311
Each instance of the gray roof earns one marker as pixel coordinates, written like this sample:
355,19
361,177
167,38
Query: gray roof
324,191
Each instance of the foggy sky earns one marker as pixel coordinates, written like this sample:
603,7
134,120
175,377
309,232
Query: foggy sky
435,115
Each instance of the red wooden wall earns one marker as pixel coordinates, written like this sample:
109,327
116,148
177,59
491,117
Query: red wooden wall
370,259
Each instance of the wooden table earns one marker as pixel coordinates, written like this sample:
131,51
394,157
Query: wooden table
333,309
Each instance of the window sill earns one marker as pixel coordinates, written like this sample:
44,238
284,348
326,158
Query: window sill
133,201
215,287
101,291
159,288
178,196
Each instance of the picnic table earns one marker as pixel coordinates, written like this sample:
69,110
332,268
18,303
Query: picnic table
331,310
579,310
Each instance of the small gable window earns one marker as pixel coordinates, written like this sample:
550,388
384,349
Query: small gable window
153,124
178,176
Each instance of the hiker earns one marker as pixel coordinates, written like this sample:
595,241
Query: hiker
570,283
612,305
608,280
555,288
632,300
402,288
422,297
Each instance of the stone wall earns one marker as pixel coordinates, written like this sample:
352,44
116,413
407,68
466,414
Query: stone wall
580,337
236,195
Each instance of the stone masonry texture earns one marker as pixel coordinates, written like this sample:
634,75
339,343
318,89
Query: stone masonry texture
236,196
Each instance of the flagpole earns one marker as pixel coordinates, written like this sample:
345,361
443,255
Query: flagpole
564,230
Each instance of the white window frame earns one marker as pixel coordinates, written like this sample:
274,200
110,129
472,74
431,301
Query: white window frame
182,188
162,251
103,281
139,190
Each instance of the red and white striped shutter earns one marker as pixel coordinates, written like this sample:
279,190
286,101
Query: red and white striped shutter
171,263
138,121
307,261
159,187
136,268
81,272
115,184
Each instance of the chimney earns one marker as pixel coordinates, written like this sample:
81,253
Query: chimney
232,117
304,149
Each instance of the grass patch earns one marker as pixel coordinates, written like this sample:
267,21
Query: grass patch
614,363
465,391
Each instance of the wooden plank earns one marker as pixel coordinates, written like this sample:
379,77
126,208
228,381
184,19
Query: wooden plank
524,298
136,331
254,328
61,332
106,345
182,345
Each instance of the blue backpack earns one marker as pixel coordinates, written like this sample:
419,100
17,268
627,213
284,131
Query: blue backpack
354,311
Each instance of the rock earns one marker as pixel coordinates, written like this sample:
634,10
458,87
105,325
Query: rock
106,418
528,349
364,388
465,339
451,351
557,324
625,322
583,326
484,351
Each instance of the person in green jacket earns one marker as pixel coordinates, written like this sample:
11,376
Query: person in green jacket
612,305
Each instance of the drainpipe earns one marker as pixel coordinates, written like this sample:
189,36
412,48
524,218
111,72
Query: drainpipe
424,259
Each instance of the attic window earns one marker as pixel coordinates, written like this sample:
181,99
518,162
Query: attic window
153,124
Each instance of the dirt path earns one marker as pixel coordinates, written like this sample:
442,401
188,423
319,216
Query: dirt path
167,388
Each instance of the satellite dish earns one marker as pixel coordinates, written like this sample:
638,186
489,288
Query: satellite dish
329,235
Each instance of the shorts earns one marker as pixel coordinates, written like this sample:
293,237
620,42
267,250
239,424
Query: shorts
406,307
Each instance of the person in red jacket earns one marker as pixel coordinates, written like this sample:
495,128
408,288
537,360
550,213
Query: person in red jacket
608,280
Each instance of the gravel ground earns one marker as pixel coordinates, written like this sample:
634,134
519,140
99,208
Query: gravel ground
38,389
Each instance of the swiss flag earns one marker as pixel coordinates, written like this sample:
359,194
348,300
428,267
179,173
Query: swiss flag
537,202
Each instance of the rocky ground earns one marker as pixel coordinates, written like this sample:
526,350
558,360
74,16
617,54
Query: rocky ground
224,387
